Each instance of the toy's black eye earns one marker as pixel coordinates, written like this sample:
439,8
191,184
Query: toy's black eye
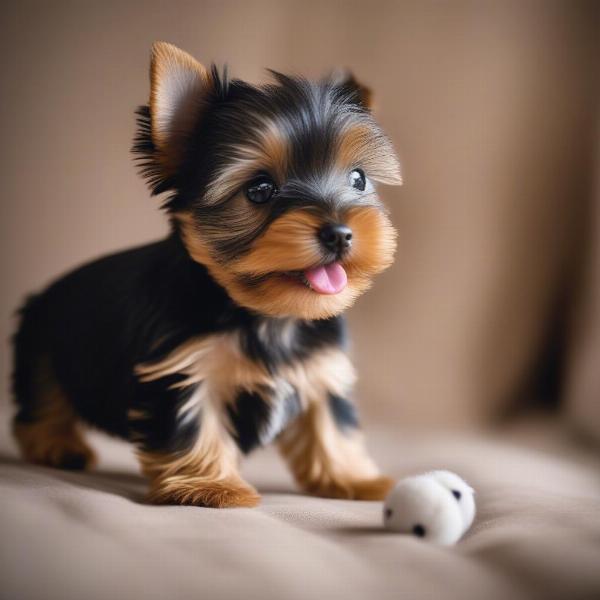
261,189
358,180
419,530
456,494
388,513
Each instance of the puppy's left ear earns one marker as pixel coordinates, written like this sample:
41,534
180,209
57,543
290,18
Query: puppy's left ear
345,79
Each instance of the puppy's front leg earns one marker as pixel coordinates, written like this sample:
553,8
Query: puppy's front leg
185,450
327,455
324,446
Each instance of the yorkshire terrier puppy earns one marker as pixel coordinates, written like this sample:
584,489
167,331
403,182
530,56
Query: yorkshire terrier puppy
227,334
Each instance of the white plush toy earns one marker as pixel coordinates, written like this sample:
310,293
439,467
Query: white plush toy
438,506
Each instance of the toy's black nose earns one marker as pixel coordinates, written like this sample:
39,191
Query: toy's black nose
337,238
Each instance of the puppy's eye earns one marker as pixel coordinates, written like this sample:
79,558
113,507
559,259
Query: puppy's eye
261,190
456,494
358,180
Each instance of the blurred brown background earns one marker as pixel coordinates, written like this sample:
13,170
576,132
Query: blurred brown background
491,105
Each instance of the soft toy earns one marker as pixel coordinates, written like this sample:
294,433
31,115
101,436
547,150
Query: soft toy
438,506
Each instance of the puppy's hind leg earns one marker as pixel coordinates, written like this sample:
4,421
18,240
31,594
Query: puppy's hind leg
46,427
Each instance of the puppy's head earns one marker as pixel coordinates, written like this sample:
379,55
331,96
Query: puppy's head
272,186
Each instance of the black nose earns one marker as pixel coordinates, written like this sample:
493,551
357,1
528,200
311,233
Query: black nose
337,238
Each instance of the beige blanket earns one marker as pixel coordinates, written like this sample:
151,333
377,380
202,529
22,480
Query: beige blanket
537,532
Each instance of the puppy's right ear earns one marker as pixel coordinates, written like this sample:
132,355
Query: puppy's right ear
179,86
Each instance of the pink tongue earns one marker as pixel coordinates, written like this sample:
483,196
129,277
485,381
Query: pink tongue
327,279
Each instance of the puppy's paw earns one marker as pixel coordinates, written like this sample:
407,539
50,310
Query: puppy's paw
376,488
211,494
228,495
67,450
79,458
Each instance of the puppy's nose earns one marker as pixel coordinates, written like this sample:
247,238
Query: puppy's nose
335,237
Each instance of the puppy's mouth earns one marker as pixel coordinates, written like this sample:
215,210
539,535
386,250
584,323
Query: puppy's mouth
327,279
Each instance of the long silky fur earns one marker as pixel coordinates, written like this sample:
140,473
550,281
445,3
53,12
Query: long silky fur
201,346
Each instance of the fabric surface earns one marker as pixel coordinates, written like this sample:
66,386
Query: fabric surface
536,534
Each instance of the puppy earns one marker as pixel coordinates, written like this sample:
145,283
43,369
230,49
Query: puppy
227,334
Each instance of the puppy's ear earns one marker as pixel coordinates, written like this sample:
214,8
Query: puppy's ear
179,90
179,86
345,79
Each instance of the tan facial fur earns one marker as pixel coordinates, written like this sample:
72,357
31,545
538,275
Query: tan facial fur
290,244
269,151
364,145
255,279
